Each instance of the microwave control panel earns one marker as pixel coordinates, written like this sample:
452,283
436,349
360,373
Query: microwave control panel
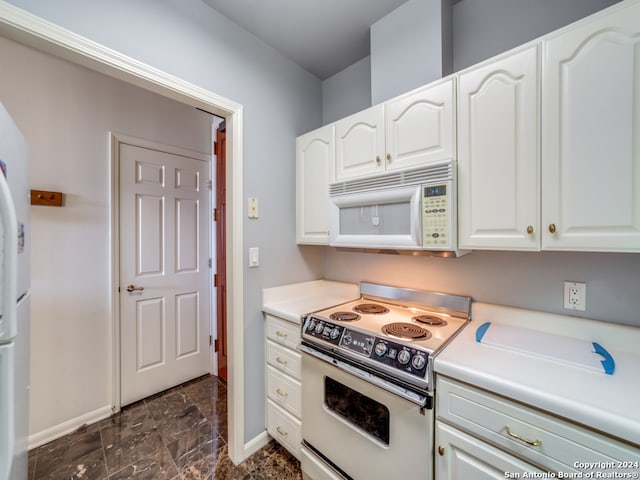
437,210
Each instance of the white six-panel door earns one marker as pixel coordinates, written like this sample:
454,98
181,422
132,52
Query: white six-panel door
164,323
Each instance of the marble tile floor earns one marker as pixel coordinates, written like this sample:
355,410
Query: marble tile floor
180,434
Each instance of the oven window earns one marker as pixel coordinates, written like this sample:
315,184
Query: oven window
362,411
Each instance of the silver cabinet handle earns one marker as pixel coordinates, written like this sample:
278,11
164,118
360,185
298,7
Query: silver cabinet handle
281,393
533,443
281,335
281,361
281,432
131,288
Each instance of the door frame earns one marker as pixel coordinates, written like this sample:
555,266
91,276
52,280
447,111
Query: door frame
117,139
25,28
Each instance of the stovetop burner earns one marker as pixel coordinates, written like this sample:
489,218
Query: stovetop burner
344,316
429,320
371,308
406,330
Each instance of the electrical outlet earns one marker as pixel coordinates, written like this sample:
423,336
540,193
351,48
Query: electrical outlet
575,296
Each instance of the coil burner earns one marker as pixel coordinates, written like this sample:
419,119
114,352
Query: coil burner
344,316
430,320
406,330
371,308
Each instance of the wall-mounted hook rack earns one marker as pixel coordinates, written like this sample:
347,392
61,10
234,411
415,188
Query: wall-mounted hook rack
46,198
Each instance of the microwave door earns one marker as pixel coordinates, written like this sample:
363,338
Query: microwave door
377,219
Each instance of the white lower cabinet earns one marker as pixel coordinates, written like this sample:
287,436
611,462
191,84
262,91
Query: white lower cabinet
283,383
460,456
482,435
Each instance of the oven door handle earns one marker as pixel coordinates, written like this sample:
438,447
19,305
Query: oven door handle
413,397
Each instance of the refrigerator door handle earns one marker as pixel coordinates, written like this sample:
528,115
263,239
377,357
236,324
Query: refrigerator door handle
8,217
7,425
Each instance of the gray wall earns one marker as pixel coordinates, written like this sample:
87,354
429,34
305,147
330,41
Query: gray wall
190,40
407,48
347,91
484,28
526,280
480,29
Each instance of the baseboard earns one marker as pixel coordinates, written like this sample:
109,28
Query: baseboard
57,431
255,444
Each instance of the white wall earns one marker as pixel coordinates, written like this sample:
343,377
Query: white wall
347,91
190,40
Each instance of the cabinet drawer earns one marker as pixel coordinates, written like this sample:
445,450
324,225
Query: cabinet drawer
461,456
283,332
284,428
284,359
283,390
542,439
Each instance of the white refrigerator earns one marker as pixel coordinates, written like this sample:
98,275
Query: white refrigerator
14,300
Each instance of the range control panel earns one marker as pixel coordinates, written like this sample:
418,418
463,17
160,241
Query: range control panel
378,351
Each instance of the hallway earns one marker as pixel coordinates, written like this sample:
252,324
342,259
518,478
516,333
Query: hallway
180,434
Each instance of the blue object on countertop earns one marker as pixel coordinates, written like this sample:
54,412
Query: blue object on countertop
608,363
482,329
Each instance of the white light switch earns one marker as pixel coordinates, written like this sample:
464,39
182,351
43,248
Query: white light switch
254,257
253,207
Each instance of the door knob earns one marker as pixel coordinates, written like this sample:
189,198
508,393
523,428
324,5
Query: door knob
131,288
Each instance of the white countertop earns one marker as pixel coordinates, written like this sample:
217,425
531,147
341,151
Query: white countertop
291,301
608,403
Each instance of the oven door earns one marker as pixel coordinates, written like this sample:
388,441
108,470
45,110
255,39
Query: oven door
363,431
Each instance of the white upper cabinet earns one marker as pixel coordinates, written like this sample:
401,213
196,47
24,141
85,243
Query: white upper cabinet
498,153
420,126
591,134
314,171
408,131
360,143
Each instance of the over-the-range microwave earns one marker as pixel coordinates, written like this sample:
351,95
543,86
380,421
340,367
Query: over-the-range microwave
407,211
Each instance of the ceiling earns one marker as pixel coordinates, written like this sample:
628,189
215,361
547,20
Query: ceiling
322,36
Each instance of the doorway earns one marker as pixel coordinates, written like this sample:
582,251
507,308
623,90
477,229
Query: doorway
164,274
30,30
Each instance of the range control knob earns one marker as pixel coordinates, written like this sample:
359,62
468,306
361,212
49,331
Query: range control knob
381,349
312,325
335,333
404,357
418,362
319,328
346,340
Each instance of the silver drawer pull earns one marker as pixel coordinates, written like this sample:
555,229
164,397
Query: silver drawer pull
281,361
281,393
283,434
281,335
533,443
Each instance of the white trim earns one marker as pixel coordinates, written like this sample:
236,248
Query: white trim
45,436
28,29
256,443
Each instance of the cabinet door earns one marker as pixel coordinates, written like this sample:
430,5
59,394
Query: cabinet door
360,143
460,456
420,127
498,153
315,160
591,134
